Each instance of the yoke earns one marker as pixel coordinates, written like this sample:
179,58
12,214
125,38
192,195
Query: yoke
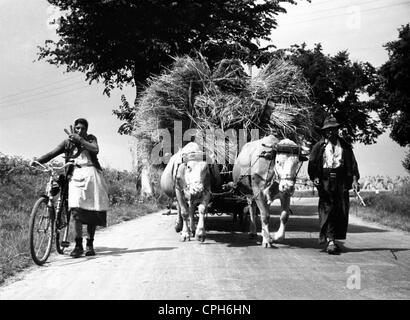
193,156
282,148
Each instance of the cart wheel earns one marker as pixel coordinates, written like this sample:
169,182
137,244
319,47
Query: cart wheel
244,221
235,218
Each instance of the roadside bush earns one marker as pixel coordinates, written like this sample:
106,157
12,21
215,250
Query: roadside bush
122,186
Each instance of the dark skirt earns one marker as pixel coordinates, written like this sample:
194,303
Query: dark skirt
98,218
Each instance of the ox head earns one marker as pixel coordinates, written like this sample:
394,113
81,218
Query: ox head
288,161
196,175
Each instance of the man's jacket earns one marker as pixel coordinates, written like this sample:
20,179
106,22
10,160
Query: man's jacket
348,168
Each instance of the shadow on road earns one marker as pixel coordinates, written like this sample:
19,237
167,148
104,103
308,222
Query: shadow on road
303,243
233,239
303,219
104,251
108,251
311,243
302,224
392,250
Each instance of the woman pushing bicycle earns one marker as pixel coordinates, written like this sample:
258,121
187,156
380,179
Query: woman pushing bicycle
87,191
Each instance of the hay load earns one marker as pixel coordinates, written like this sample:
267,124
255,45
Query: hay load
167,97
276,101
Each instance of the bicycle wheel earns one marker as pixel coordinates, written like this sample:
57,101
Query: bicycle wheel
41,230
62,226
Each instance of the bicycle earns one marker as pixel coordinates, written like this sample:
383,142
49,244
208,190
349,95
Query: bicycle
50,217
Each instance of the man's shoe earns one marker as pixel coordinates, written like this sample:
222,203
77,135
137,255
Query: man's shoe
332,248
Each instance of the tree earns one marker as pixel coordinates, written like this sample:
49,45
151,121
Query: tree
122,42
395,89
406,162
338,85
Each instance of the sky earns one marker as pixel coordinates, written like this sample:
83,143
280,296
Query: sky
39,100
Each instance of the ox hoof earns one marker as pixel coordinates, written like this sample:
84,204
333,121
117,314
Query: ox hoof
266,244
185,237
178,227
201,238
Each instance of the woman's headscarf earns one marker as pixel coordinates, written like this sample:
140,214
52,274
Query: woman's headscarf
82,121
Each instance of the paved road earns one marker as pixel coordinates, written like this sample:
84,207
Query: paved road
144,259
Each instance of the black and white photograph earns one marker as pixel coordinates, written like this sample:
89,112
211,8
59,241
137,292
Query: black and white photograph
203,156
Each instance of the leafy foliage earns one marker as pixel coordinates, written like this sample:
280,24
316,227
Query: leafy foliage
395,88
124,41
406,162
338,86
126,113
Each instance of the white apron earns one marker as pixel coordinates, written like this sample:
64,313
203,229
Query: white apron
87,187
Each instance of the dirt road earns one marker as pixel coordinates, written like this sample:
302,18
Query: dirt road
144,259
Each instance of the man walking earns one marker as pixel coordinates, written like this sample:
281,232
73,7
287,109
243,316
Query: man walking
333,169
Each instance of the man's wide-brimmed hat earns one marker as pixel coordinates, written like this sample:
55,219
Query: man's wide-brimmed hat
330,122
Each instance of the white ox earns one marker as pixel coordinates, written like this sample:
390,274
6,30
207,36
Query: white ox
266,170
190,179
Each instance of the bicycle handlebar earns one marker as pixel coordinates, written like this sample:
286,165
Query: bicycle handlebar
53,168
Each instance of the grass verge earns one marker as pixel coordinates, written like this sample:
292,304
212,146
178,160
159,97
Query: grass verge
389,209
